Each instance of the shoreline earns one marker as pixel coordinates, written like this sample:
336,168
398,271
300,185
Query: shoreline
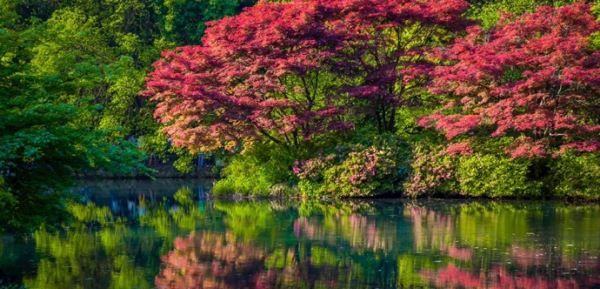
390,196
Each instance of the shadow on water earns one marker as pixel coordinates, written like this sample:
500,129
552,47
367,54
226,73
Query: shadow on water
171,234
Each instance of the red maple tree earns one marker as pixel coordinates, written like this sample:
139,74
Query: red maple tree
257,75
289,71
386,54
533,78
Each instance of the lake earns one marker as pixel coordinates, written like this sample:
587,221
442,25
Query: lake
172,234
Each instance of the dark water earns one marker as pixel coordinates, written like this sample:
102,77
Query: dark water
172,235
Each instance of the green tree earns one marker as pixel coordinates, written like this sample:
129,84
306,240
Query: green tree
43,140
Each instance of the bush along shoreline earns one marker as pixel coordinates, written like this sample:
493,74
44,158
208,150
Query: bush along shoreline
376,98
379,172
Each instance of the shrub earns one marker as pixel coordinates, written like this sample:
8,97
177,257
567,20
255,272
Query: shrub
432,171
283,190
367,172
576,176
496,176
256,172
244,175
363,172
311,174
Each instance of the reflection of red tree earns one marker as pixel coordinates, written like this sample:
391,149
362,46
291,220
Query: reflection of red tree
303,227
499,278
212,261
527,257
360,231
531,257
219,261
433,230
463,254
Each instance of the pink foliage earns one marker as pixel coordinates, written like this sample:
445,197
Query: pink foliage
526,147
452,125
582,146
498,278
461,148
264,74
376,30
533,76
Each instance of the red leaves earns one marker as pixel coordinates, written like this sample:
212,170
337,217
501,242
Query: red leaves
526,147
582,146
451,125
236,85
461,148
291,71
387,49
277,69
533,77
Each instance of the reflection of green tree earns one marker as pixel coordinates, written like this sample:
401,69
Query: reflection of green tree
70,259
253,221
87,257
503,225
90,213
578,225
169,222
81,258
494,225
126,276
409,268
356,223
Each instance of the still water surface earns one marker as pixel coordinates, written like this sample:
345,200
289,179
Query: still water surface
171,234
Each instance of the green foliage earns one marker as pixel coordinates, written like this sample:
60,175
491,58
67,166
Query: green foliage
496,176
183,22
90,213
41,145
70,75
489,12
576,176
257,172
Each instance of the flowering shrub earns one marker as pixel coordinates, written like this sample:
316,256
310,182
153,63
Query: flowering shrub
432,171
457,169
312,169
461,148
363,172
310,173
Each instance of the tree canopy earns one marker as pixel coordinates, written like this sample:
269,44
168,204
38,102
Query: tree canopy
287,72
534,77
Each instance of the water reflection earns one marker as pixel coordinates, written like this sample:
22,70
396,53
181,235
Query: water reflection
177,237
499,277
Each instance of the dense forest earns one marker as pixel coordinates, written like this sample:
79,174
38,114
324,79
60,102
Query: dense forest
312,99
